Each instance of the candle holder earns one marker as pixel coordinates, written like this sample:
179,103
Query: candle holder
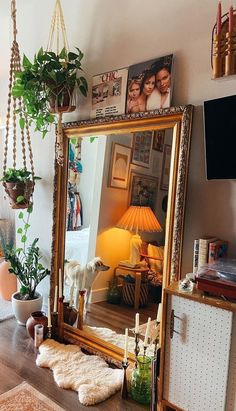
49,334
80,315
136,349
60,318
124,388
54,324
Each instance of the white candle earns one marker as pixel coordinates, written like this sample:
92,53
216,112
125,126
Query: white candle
126,345
71,294
60,283
159,313
84,279
147,332
136,323
55,299
49,313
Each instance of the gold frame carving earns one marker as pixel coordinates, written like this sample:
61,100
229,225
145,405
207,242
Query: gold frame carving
180,120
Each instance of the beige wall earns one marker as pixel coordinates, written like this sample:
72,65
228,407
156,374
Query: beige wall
115,34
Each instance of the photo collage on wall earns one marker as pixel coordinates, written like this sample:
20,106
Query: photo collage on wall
141,87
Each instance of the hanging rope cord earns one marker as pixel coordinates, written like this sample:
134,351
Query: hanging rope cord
15,67
57,24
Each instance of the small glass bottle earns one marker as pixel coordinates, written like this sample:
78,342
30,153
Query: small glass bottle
141,381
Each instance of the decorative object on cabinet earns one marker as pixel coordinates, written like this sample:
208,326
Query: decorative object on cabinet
18,183
142,145
47,86
138,219
36,317
178,121
119,166
223,48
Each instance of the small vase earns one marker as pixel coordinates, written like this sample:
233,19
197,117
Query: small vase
8,284
37,317
141,381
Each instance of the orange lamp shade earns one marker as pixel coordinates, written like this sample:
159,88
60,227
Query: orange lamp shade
138,218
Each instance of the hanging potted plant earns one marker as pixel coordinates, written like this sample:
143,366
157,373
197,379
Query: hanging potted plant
25,264
47,86
19,184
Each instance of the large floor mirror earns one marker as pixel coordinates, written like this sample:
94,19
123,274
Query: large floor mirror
120,196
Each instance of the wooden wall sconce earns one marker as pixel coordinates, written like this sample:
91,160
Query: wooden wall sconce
223,48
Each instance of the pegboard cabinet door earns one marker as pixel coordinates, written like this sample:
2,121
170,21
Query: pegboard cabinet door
197,356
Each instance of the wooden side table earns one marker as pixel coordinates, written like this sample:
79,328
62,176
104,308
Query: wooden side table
138,278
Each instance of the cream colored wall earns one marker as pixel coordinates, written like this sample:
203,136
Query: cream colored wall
115,34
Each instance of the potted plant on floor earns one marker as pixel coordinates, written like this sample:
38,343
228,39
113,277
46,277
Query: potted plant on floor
19,185
25,264
47,86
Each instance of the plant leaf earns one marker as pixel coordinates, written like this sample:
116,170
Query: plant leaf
22,123
21,215
19,231
23,239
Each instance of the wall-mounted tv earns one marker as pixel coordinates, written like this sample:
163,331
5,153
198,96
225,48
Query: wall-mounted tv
220,138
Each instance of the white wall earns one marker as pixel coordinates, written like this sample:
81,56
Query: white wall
116,34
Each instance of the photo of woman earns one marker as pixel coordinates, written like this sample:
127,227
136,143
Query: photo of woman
150,85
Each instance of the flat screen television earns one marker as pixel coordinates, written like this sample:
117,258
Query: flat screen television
220,138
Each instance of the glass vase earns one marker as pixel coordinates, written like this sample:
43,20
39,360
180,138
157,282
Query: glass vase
141,380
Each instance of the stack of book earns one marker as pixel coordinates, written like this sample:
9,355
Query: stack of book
208,250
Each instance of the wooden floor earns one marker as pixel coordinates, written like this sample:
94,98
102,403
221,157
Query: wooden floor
17,364
118,317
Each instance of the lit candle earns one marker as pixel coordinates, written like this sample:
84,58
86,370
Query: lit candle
218,19
60,283
55,299
231,19
71,294
159,313
49,313
126,345
147,332
136,323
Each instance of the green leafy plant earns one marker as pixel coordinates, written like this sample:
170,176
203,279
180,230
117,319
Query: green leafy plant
18,176
25,262
49,78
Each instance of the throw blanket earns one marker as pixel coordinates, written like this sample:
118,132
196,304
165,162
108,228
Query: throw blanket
90,375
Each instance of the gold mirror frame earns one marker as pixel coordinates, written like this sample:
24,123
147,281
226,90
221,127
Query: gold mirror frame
180,120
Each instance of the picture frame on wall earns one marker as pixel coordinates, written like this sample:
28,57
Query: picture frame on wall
165,175
141,149
143,190
158,140
119,166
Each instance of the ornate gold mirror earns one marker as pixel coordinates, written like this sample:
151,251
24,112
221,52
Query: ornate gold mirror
110,164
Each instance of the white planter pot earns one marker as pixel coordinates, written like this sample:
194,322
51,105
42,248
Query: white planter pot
22,309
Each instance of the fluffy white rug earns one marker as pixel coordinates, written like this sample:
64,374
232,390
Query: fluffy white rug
5,310
90,375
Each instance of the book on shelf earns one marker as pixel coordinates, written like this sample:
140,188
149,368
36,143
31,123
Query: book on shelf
217,250
109,93
128,264
195,255
204,250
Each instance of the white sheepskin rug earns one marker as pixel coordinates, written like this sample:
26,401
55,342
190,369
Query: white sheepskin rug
90,375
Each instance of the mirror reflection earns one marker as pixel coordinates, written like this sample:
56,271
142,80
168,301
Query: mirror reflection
115,228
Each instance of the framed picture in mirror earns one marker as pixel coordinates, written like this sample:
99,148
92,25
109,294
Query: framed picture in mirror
142,144
166,168
119,166
158,140
143,190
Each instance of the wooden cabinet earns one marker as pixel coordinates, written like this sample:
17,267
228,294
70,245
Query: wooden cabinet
199,369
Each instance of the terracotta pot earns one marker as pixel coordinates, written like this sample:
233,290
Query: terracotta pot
22,309
8,282
37,317
14,190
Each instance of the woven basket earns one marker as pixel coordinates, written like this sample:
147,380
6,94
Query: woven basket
128,294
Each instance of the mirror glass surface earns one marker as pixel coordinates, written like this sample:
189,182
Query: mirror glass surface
107,168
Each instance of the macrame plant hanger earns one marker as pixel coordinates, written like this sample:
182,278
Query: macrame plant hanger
57,33
15,103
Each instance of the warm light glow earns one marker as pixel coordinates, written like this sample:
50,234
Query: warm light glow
139,219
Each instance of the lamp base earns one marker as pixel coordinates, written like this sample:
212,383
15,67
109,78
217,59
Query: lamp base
135,247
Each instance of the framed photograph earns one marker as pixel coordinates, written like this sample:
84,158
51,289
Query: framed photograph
119,166
143,190
150,85
158,140
142,144
166,168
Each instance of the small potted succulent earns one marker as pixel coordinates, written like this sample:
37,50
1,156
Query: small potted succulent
19,185
47,86
25,264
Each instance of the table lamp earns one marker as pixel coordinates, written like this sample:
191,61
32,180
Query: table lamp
138,218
